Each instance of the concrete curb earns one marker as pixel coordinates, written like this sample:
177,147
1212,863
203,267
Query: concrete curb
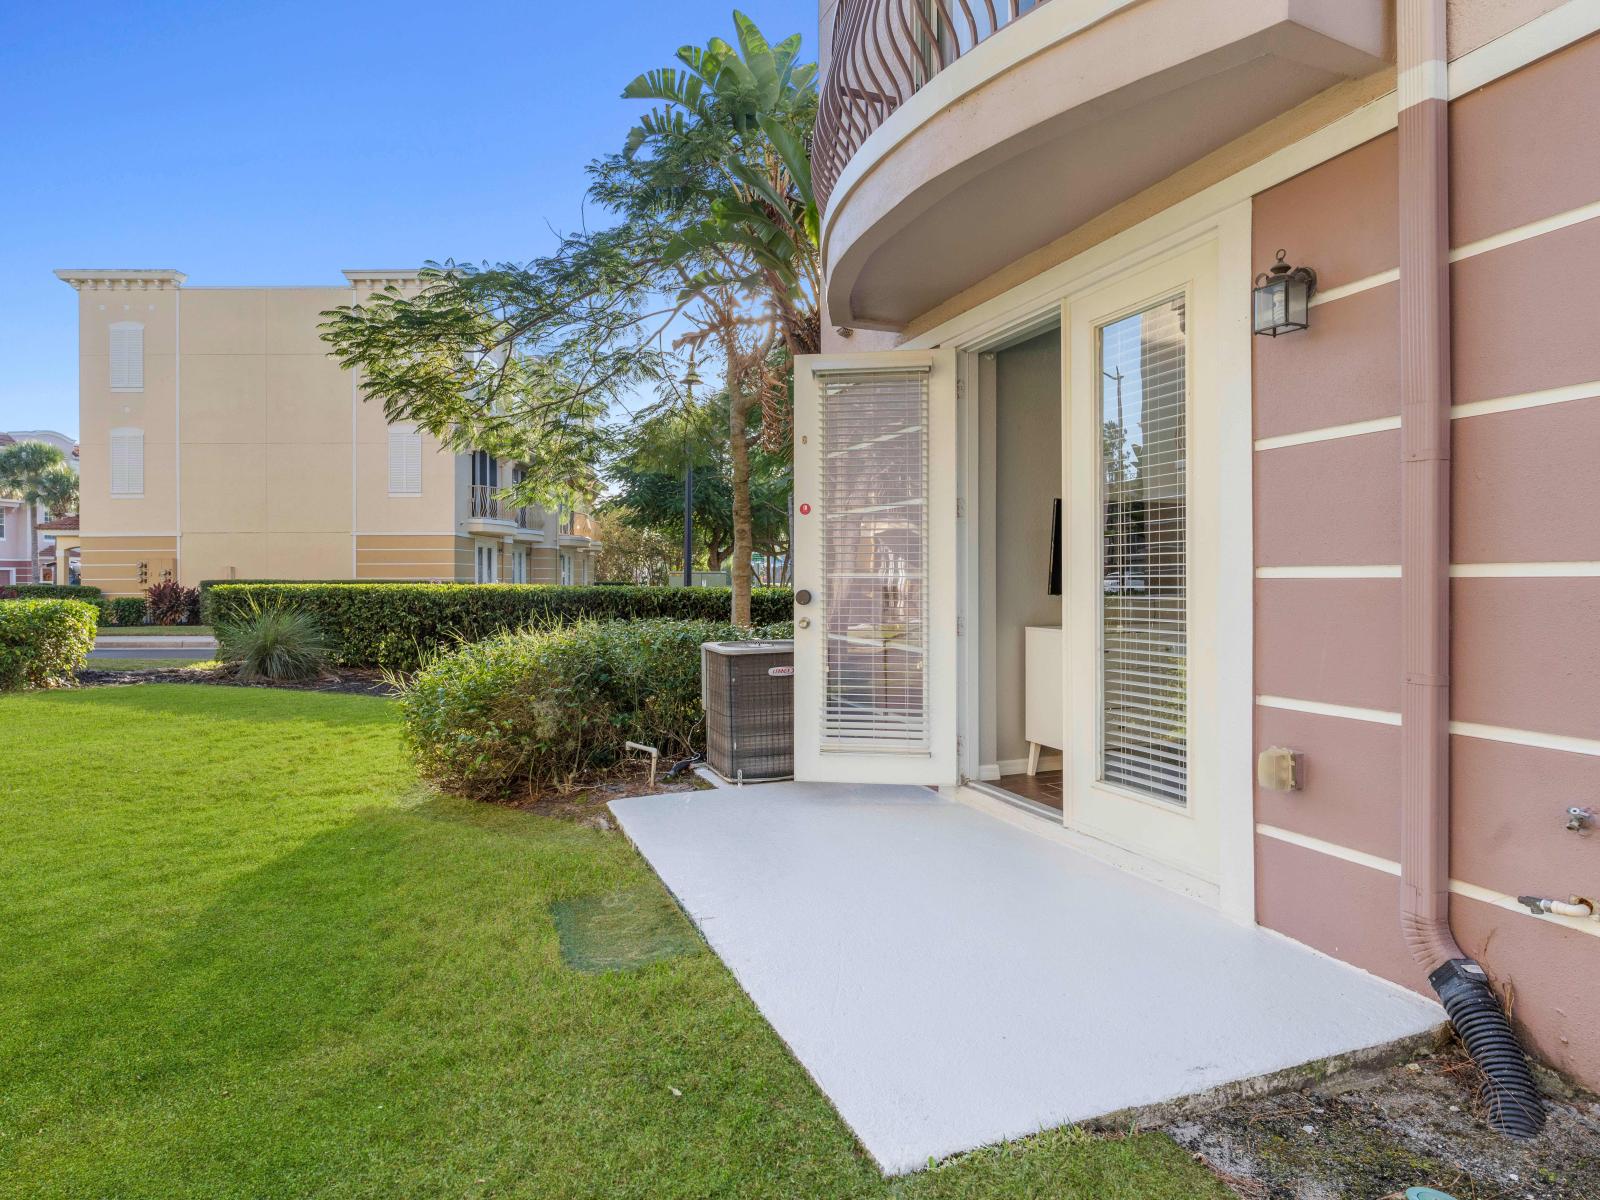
153,642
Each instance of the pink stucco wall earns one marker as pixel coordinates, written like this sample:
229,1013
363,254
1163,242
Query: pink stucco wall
1525,650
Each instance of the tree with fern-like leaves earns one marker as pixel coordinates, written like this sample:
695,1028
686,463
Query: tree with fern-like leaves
712,258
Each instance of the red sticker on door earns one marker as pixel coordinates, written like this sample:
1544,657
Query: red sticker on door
805,510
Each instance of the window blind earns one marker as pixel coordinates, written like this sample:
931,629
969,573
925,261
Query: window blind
127,357
127,462
1143,627
874,542
405,461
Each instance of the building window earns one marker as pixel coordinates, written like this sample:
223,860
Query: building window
127,357
485,469
566,569
127,462
1144,584
488,563
405,461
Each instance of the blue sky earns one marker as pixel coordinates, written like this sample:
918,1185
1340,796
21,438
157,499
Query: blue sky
279,143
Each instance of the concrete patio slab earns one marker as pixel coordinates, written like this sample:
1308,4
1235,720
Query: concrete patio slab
950,979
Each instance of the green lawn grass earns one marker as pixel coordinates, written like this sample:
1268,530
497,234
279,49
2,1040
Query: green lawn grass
243,954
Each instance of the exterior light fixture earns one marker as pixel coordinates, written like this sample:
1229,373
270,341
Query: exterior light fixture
1282,298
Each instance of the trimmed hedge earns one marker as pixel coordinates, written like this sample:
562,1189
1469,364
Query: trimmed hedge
533,709
49,591
400,626
205,585
123,610
43,643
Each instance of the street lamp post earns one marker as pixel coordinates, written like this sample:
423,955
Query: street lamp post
690,378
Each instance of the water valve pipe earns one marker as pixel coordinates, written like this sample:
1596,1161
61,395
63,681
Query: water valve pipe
1575,906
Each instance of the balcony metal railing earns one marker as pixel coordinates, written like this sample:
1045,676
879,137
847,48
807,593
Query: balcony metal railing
485,504
884,51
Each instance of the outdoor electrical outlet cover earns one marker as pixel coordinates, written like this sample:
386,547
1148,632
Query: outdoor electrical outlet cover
622,930
1279,770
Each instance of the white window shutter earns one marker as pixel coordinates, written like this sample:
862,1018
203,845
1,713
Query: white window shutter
405,461
127,462
127,357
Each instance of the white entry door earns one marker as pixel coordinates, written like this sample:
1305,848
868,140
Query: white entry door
875,544
1141,390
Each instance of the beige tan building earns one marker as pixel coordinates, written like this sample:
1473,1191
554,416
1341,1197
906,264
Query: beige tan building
219,440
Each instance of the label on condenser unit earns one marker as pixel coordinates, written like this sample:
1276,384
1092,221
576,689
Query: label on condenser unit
778,671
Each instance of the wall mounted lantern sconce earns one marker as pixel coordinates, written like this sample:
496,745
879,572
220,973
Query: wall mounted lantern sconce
1282,298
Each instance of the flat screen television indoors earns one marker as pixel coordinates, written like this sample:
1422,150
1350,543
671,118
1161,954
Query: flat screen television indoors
1055,549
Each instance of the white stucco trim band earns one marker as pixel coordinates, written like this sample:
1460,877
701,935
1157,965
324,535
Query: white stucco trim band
1473,408
1458,887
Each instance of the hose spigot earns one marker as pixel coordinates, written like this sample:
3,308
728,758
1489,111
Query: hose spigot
1580,820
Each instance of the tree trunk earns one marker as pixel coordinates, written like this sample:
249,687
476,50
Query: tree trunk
32,510
743,519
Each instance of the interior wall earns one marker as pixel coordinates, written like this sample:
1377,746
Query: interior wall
1027,477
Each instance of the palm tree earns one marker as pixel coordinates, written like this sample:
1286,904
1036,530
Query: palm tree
33,472
752,259
762,233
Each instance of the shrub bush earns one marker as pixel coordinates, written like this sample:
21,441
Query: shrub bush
399,626
43,643
280,644
49,591
170,603
123,610
532,709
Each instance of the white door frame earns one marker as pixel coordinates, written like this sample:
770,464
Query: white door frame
1224,724
1183,837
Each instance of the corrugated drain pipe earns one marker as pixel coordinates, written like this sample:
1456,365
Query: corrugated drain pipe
1515,1106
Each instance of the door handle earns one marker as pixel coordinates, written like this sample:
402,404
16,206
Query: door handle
802,597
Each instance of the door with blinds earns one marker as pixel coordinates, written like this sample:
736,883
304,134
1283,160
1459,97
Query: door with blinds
1137,363
875,543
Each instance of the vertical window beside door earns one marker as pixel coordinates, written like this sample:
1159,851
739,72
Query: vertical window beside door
127,357
1144,578
127,462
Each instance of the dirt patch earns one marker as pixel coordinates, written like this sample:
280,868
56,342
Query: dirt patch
358,683
584,800
1375,1133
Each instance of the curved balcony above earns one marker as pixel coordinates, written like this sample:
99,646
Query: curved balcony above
954,137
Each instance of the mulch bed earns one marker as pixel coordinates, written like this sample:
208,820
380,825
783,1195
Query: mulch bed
1376,1133
584,800
349,682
